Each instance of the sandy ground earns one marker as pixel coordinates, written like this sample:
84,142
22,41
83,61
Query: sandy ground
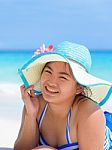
10,114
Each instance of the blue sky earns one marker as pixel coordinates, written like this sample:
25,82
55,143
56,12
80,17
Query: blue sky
26,24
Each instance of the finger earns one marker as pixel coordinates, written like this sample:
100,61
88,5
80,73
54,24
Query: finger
22,87
32,93
29,89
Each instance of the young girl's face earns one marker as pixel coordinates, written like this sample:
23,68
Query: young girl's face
57,82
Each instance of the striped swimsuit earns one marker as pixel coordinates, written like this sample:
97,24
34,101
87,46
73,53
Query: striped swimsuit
70,145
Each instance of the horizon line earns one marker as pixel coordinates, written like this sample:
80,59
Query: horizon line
25,49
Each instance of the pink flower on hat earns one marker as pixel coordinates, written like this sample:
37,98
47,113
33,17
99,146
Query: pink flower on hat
44,49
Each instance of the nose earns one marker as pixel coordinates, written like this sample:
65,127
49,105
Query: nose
52,81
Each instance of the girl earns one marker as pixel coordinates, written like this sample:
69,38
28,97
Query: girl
61,101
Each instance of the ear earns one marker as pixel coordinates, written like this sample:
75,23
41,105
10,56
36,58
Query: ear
79,89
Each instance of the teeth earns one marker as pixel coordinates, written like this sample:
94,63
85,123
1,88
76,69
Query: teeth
51,90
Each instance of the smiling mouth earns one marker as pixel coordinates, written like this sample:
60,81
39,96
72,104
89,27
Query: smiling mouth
51,90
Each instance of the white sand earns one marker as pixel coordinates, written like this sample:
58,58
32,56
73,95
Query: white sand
5,148
8,132
10,114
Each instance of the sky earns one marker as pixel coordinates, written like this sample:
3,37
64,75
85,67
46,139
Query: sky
27,24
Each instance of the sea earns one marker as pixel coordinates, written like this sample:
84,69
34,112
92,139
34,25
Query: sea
10,99
11,61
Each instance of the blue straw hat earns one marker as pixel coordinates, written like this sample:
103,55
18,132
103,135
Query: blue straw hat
79,59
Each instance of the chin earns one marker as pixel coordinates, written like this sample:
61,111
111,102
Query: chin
49,98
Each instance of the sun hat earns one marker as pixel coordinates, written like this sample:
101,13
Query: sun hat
79,59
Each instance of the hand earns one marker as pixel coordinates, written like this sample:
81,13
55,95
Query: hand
30,100
44,147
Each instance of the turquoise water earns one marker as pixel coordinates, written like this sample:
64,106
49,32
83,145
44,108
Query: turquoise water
10,61
9,64
102,64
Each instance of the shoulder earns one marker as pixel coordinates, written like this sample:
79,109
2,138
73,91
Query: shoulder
85,108
88,108
90,125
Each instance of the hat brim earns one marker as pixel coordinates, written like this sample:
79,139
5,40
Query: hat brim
31,73
100,89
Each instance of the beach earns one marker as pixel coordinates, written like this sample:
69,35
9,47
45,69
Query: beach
10,99
10,114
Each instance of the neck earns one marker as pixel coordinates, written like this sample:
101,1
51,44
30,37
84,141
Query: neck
59,110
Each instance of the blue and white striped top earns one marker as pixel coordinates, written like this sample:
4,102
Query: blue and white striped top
70,145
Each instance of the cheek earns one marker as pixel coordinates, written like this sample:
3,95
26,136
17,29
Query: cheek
44,78
68,91
68,88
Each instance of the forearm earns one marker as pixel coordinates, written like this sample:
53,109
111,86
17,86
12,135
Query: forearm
44,147
29,135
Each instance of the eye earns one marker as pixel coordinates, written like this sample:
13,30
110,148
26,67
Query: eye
48,71
62,77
